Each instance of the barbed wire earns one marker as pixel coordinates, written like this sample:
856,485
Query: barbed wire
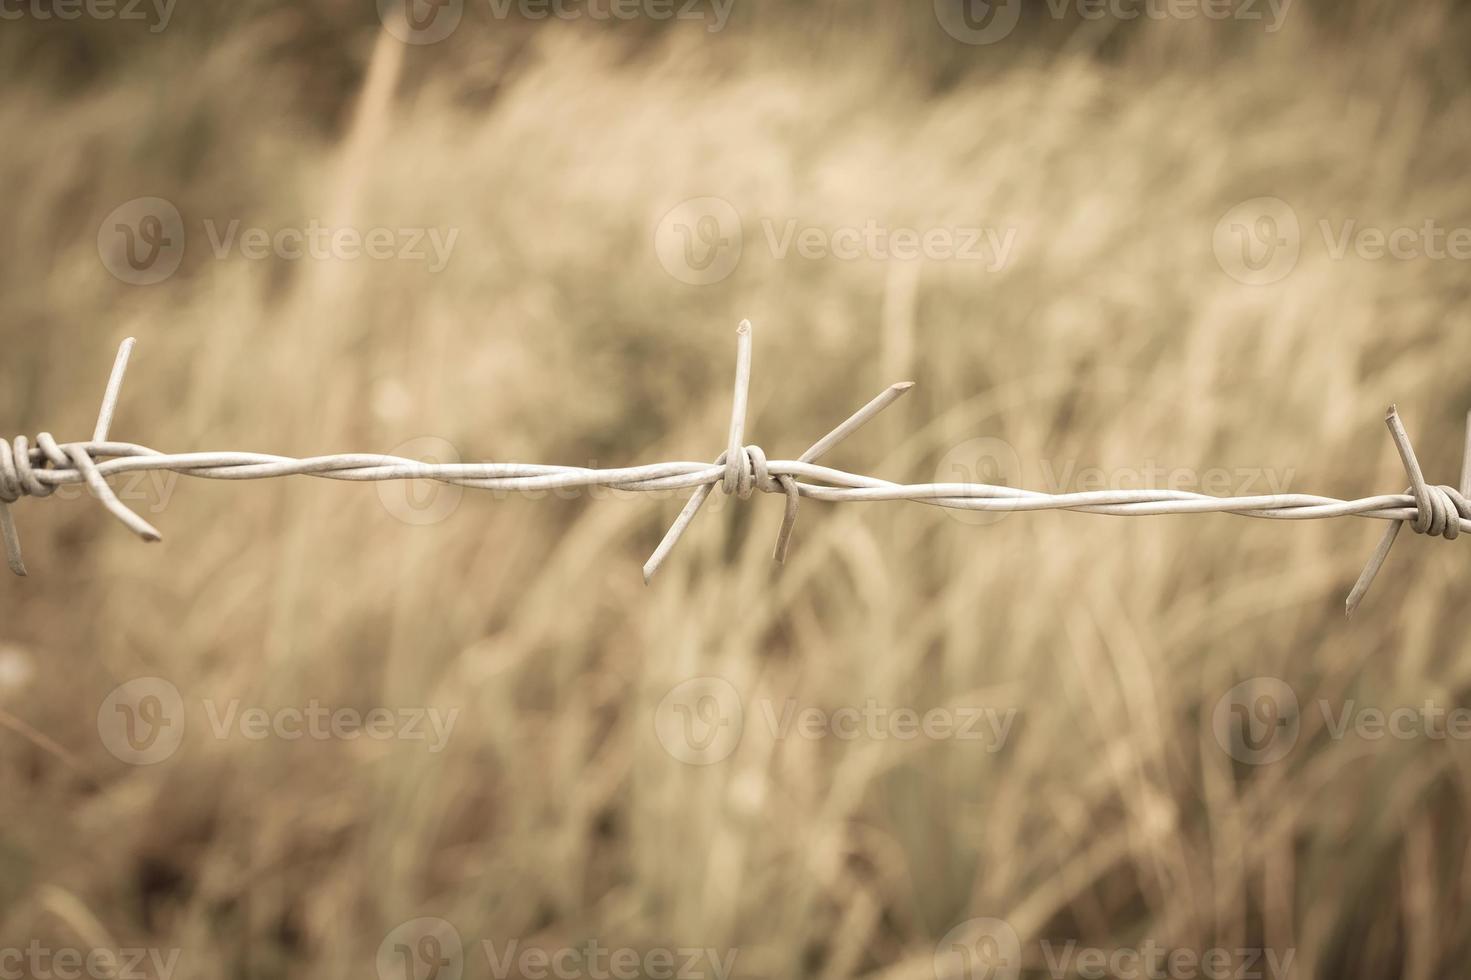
36,471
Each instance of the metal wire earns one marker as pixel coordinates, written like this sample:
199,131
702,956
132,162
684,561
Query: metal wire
36,471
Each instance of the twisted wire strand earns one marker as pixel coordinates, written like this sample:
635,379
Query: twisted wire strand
741,470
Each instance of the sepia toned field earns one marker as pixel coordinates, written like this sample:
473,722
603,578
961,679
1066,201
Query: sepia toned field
328,729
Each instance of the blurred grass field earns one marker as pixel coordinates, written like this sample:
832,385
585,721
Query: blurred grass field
1112,338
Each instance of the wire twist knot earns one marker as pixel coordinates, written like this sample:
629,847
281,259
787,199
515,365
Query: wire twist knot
1439,511
752,473
18,470
16,477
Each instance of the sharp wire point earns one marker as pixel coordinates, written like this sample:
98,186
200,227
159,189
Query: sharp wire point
12,541
1371,570
1466,461
739,398
114,388
856,421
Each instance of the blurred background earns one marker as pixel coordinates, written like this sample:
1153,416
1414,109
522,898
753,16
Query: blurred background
1116,244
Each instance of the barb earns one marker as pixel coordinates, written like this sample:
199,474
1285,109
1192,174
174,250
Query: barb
1438,510
36,471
